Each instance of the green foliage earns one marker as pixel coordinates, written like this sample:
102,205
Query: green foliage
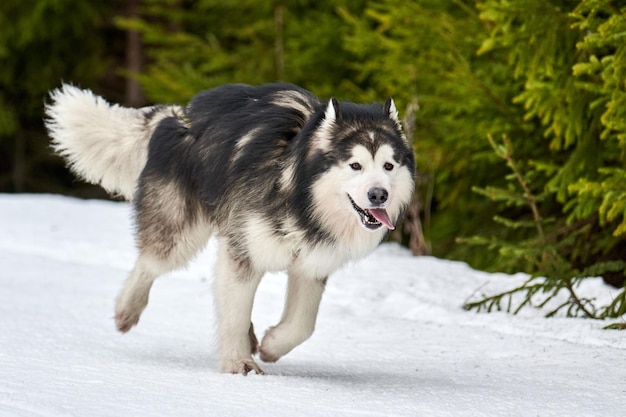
574,187
607,198
604,70
544,255
426,51
603,73
209,42
41,43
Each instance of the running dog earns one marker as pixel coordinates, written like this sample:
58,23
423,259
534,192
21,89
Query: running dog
283,180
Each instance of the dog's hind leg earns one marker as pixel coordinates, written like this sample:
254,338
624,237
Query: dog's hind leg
235,285
298,321
133,298
170,231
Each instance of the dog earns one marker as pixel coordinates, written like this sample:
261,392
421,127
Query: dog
283,180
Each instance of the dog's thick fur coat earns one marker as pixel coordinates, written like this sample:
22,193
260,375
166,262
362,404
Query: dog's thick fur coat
284,181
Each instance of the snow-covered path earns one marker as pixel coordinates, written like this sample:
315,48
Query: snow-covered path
391,338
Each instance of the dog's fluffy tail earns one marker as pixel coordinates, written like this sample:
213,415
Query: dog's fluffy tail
103,143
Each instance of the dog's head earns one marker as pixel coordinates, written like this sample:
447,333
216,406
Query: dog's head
369,176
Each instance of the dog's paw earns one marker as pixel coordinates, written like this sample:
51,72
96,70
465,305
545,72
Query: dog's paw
280,340
272,348
125,320
240,366
267,356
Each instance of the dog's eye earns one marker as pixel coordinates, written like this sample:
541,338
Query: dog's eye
355,166
388,166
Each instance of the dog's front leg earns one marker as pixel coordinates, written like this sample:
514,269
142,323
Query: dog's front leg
298,321
235,285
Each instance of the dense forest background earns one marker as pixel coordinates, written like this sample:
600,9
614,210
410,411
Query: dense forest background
517,107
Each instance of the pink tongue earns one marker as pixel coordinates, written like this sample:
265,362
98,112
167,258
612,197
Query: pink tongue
381,216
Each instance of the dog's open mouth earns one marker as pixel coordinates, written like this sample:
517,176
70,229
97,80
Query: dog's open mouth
372,218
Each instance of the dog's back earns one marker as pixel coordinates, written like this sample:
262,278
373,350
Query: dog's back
242,101
241,136
107,144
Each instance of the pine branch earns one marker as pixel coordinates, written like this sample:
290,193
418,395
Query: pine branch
578,302
541,254
506,153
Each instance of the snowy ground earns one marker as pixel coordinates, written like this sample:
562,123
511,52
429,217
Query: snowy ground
391,338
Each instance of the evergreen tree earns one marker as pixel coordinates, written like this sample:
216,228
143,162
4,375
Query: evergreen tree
426,52
572,87
206,43
549,76
602,73
41,44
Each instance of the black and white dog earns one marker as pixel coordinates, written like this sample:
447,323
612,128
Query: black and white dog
284,181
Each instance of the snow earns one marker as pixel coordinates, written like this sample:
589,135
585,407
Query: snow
391,339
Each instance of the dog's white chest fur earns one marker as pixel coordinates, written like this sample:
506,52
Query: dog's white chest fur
287,248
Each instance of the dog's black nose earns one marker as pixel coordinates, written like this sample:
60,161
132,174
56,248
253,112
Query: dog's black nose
377,196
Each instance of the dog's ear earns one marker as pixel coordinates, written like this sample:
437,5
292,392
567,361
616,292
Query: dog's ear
389,109
327,125
332,112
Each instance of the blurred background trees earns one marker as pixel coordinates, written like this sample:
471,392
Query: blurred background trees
545,76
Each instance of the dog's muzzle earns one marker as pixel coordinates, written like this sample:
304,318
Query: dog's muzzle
373,218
